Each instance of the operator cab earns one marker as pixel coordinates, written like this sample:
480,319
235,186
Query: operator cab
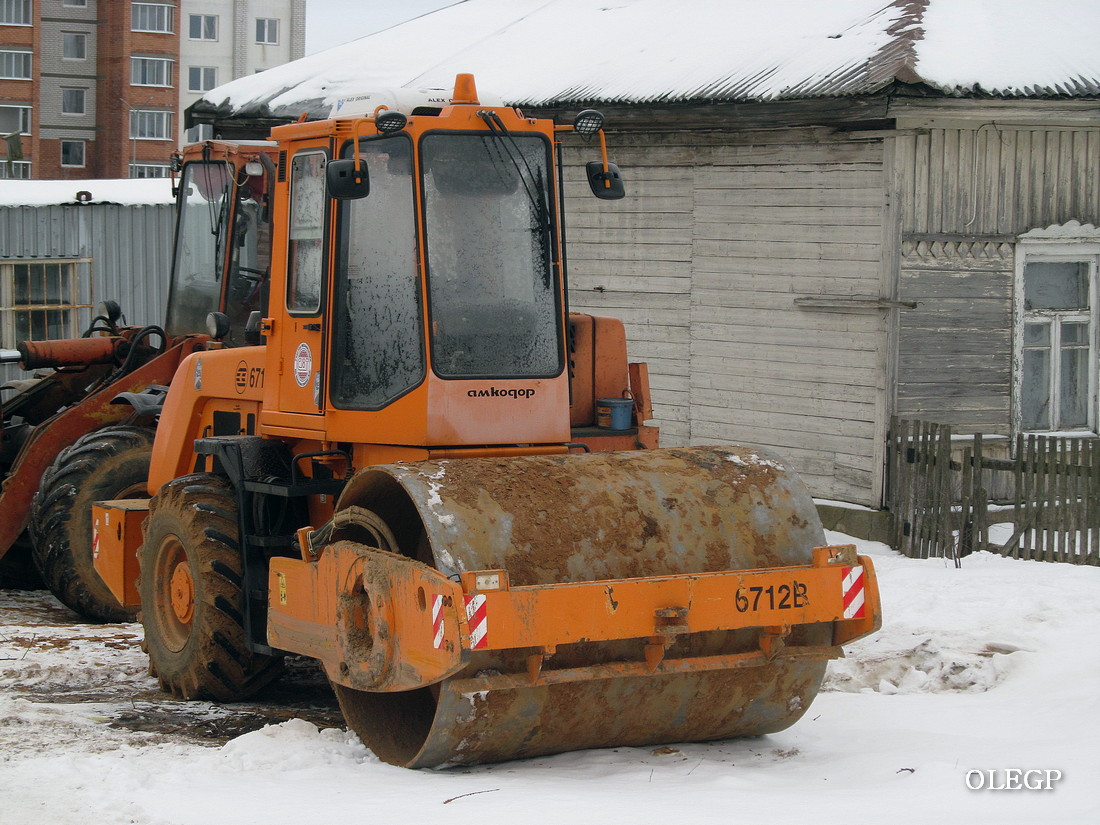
222,252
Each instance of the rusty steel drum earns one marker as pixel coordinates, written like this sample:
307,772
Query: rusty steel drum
577,518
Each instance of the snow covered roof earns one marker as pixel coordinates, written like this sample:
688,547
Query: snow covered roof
554,52
145,191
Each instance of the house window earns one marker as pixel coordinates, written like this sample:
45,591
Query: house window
150,125
267,31
80,4
74,46
15,12
73,101
203,26
15,65
201,78
15,119
150,170
150,71
15,170
1057,338
72,153
39,301
151,17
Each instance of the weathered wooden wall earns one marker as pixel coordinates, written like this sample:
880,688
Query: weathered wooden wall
966,193
720,233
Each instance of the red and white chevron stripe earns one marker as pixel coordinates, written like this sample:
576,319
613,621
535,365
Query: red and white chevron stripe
852,591
477,615
437,621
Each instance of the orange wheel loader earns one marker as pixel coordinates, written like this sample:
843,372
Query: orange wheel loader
412,479
81,429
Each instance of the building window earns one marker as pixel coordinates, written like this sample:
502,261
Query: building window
72,153
1057,342
150,71
203,27
15,65
151,17
15,170
267,31
197,134
150,125
74,45
15,12
150,170
72,101
201,78
80,4
39,301
15,119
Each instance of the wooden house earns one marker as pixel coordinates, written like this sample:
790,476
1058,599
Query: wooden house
837,212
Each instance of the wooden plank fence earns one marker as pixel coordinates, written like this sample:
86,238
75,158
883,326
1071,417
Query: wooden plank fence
941,506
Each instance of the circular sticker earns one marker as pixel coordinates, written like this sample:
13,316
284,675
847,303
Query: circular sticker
240,380
303,364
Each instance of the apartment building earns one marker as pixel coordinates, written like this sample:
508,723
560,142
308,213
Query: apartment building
226,39
96,88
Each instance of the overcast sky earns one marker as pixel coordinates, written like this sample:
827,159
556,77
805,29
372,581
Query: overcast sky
332,22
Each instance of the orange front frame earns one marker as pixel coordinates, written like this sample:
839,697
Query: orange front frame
383,622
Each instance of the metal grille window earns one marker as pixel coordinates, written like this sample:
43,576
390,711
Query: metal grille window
151,17
74,45
150,125
267,31
149,170
201,78
15,12
72,153
150,71
15,65
15,119
72,101
203,26
1057,338
40,301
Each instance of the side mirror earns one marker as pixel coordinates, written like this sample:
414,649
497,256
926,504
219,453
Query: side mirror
607,185
343,181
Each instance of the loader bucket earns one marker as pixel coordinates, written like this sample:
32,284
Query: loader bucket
647,517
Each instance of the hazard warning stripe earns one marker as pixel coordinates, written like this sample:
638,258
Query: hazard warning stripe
852,591
477,615
437,621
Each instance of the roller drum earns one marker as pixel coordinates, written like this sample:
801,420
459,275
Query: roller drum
579,518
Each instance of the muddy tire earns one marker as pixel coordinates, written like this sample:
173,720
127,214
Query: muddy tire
192,603
107,464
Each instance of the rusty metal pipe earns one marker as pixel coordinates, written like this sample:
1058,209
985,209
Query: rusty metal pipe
73,352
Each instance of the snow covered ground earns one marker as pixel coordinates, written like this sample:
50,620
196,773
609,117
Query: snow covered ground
990,667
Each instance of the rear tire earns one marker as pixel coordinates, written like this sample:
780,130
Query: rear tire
107,464
192,601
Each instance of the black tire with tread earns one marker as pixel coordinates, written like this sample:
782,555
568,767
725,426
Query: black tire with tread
109,463
206,657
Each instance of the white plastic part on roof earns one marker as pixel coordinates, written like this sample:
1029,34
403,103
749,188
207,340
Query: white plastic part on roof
135,192
542,52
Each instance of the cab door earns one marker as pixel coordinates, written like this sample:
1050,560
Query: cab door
302,340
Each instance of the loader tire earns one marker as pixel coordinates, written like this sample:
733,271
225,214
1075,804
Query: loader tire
192,600
106,464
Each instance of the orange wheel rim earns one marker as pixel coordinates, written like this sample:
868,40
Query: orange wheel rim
175,593
182,587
